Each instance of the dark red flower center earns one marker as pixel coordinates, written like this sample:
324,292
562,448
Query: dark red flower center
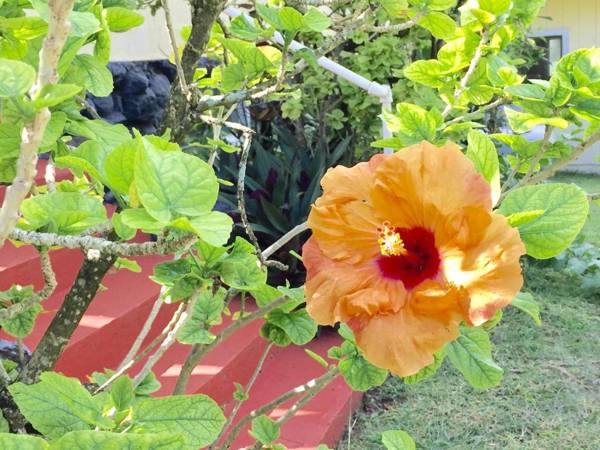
419,261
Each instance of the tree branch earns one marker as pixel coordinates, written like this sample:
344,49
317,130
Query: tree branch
247,389
298,229
395,28
177,116
169,339
470,71
102,245
316,384
33,132
199,351
551,170
67,318
173,41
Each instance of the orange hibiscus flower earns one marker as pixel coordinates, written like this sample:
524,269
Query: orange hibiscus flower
404,248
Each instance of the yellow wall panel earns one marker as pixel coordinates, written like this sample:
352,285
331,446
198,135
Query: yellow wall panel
579,18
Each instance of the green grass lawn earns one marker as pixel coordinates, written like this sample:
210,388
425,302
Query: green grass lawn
550,395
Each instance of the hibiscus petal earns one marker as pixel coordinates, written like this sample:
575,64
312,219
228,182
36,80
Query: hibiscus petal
405,342
423,177
329,281
489,269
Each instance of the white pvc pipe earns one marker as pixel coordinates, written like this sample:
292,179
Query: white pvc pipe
383,92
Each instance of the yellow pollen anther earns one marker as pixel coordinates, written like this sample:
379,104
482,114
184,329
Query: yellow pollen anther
390,242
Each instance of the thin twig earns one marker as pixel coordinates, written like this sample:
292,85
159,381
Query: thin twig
395,28
232,125
470,71
316,384
284,239
137,344
540,154
44,293
241,183
200,350
169,340
173,42
247,389
102,245
88,107
495,104
156,341
579,150
33,132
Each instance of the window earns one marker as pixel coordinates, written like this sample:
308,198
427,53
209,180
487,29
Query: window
552,47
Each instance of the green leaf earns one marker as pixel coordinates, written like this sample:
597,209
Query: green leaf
565,209
54,94
169,272
242,271
90,72
521,122
427,72
316,20
82,23
16,77
21,442
148,385
191,333
298,325
242,29
346,332
119,165
471,354
122,393
139,218
395,8
213,227
360,374
122,19
440,5
54,129
25,27
265,430
291,19
482,151
397,440
209,306
62,212
108,135
439,25
123,231
101,440
253,60
57,405
427,371
526,303
207,312
170,183
412,123
129,264
496,7
275,334
89,156
197,417
527,91
269,15
22,324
